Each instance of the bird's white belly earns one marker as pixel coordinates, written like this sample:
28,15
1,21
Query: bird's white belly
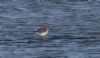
43,34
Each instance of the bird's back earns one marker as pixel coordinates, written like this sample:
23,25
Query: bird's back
43,29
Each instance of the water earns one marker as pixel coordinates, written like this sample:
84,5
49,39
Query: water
75,28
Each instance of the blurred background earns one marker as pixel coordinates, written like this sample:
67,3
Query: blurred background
74,28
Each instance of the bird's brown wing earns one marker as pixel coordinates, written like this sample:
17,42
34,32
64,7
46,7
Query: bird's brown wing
44,29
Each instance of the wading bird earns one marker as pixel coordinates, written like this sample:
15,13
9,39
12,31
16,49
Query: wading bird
43,31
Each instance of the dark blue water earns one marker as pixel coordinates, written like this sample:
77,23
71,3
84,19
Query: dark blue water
74,28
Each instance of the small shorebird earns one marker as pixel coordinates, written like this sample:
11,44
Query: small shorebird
43,31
